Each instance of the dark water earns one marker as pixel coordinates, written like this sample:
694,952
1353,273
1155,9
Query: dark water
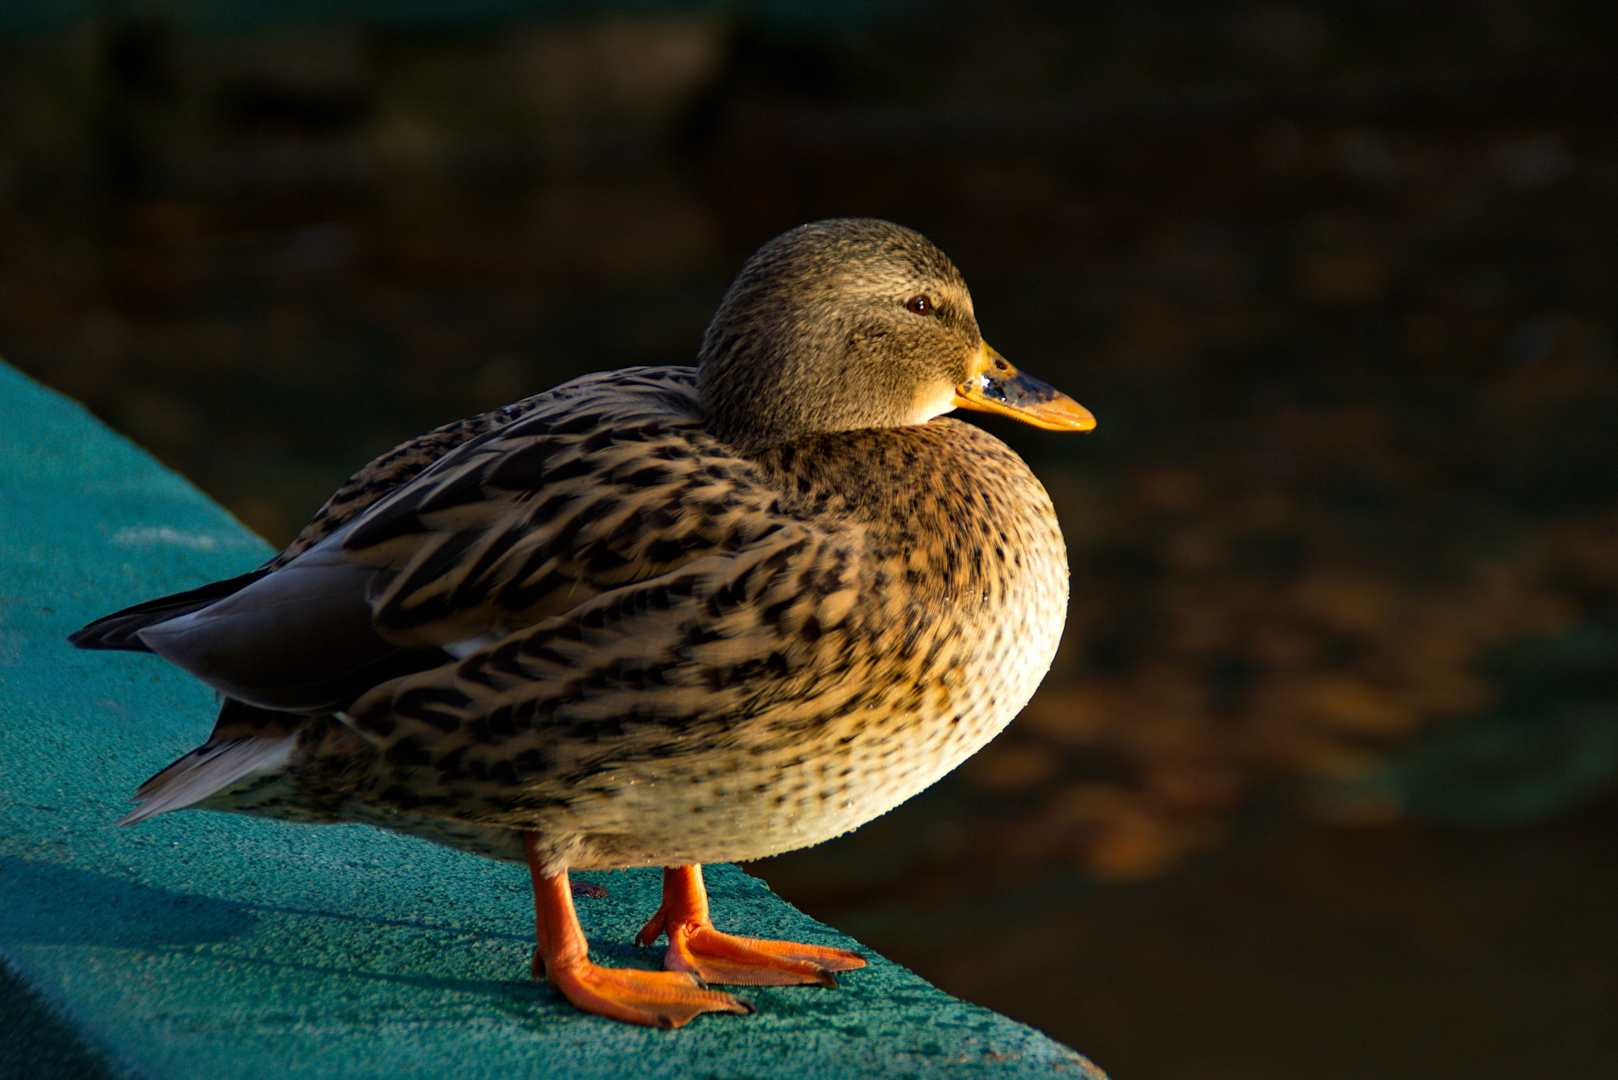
1322,782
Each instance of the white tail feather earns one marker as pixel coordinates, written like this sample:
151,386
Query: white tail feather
206,771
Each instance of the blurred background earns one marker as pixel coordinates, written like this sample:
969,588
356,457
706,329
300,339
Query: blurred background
1322,783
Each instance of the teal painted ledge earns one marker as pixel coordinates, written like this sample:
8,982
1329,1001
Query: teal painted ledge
209,945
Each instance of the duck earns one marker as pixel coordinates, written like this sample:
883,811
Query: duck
655,617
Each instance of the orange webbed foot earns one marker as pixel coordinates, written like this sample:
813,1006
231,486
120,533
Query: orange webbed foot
665,999
696,948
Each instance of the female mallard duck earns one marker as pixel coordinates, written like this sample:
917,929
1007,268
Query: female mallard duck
655,617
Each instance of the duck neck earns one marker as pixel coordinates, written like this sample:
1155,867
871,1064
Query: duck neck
913,498
760,386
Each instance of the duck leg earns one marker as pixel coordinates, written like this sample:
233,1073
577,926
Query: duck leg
697,948
655,998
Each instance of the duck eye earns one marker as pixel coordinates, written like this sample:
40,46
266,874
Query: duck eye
921,305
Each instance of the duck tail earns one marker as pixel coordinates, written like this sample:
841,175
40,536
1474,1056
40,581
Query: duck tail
120,630
208,770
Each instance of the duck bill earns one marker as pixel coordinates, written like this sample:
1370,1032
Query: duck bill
1001,388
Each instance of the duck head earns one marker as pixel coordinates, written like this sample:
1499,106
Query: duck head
856,323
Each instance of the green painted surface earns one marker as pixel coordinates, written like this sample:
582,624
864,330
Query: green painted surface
209,945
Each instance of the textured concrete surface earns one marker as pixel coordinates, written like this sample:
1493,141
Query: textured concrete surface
204,944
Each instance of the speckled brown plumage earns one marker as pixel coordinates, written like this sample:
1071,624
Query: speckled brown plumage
660,616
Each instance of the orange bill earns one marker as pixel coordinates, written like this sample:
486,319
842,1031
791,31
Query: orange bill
1001,388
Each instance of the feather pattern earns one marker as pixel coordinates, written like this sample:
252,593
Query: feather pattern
206,772
799,683
655,616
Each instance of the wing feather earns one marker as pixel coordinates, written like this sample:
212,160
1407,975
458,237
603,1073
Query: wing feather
605,481
586,493
654,676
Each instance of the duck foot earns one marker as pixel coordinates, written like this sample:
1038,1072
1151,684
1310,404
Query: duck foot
665,999
696,948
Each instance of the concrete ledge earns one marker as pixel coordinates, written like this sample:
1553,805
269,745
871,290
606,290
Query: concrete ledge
209,945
